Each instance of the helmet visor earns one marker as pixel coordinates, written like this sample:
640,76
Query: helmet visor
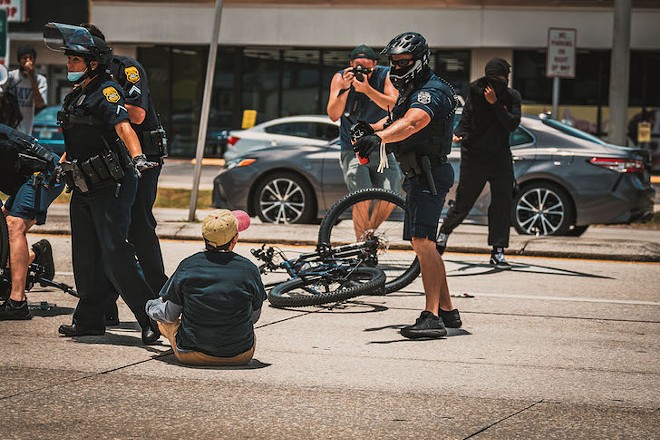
62,37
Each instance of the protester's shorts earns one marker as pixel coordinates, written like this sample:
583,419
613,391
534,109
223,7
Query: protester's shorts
359,176
423,209
31,203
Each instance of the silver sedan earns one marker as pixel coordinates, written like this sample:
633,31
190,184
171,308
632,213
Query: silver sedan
567,180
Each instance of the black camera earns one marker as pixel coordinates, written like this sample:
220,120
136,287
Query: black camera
360,71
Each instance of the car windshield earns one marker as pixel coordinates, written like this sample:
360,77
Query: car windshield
47,115
571,131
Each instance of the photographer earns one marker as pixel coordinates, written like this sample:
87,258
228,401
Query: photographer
25,168
363,92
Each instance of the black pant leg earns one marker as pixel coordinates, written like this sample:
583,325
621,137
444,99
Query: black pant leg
87,263
111,218
471,182
499,210
142,230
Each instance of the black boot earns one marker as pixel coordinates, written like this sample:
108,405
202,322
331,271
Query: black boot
150,333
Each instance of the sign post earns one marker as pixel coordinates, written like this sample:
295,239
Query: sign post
561,60
4,40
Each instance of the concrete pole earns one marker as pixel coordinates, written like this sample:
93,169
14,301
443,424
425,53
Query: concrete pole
206,107
619,73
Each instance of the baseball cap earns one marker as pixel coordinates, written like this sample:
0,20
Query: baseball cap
221,225
363,51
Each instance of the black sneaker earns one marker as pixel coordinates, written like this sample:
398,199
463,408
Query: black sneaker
451,319
12,311
441,242
497,259
44,258
427,326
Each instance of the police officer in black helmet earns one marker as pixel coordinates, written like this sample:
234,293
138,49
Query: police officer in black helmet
101,165
131,76
420,137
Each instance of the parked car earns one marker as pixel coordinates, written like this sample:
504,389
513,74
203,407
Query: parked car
291,130
567,180
46,130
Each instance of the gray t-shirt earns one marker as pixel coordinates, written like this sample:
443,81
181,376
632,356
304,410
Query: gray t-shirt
21,86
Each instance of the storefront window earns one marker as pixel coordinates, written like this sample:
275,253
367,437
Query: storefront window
454,66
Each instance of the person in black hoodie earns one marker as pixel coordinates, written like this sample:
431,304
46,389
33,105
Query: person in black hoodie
491,113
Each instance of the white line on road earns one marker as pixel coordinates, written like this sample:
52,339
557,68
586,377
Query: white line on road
564,298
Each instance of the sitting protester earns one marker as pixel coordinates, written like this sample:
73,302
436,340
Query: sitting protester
217,293
25,170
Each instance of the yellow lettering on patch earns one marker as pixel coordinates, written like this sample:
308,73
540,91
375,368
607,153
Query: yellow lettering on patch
132,74
111,94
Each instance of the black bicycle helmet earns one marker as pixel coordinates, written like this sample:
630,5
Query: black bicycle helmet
414,44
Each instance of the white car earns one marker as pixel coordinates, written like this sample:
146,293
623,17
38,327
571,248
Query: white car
290,130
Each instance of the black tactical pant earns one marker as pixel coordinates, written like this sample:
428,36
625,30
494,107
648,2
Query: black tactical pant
142,235
103,260
473,178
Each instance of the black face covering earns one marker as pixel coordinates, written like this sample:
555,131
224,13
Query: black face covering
495,68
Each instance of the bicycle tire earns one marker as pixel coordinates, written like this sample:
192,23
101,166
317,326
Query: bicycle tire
299,288
401,268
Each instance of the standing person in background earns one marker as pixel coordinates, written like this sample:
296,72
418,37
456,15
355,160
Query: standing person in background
131,76
363,93
491,113
29,87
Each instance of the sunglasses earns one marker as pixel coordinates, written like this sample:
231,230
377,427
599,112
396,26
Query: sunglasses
401,63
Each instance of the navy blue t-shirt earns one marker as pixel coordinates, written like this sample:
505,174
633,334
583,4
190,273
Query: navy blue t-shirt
360,108
219,292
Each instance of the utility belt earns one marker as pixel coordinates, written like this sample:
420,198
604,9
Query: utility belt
154,142
94,172
413,165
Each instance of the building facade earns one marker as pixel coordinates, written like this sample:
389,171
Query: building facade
278,57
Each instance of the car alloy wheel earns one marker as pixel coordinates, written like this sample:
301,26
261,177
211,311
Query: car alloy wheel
542,209
284,198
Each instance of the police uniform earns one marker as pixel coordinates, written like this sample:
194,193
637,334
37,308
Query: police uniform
431,144
104,191
142,231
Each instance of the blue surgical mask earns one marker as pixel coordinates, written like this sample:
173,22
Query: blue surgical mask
74,76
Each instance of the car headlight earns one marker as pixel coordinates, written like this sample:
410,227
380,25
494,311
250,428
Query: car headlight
240,162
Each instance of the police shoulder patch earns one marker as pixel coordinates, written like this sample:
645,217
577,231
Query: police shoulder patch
423,97
132,74
111,94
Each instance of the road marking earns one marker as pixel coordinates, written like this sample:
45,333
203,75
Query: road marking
564,298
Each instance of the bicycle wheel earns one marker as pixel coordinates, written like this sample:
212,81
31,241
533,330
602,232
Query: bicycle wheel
300,292
379,214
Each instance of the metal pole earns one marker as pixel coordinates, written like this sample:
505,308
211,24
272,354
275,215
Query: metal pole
206,106
619,73
555,98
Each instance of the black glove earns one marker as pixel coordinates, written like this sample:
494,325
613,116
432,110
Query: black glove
367,144
360,129
140,163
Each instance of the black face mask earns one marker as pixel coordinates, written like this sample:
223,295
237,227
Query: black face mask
497,83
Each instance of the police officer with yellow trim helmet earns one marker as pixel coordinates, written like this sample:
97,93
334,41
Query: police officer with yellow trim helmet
101,165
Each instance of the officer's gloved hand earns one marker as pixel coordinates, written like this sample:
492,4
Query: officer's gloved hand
140,163
367,144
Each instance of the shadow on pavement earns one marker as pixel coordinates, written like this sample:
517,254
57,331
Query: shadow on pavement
46,309
351,306
169,358
483,268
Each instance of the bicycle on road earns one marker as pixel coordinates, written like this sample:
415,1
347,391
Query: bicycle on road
354,256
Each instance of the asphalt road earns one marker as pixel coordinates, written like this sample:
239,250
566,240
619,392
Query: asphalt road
555,348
